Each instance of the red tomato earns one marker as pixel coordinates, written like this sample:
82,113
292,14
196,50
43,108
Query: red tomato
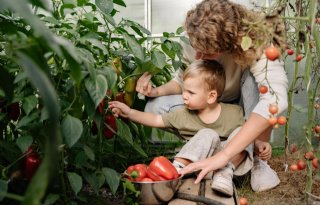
263,89
273,109
315,163
301,164
299,57
293,148
309,155
281,120
272,53
317,129
290,52
243,201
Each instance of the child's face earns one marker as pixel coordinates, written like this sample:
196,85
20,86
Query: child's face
195,94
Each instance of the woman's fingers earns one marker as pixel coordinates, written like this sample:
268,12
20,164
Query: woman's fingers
142,83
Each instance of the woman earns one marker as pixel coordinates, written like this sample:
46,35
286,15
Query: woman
216,29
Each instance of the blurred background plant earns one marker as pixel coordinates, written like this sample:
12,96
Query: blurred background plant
61,62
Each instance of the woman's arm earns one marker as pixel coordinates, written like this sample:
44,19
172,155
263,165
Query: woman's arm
252,128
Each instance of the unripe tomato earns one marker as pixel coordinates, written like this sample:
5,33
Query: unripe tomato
263,89
301,164
299,57
272,53
276,126
293,167
272,120
243,201
273,109
290,52
281,120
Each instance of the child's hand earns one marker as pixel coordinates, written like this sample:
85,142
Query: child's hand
263,149
119,109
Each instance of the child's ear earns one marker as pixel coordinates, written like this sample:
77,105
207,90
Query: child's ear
212,97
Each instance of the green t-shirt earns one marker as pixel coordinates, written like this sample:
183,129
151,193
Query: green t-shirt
188,123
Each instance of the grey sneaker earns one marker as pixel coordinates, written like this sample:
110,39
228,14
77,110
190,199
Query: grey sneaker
262,176
222,181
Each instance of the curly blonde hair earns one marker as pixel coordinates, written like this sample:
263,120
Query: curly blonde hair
218,26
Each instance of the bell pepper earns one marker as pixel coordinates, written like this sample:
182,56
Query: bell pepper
111,121
152,175
162,167
137,172
31,163
130,84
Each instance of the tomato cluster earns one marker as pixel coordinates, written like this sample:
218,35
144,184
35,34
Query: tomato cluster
301,163
160,169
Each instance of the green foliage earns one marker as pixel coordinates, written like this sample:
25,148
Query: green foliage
57,65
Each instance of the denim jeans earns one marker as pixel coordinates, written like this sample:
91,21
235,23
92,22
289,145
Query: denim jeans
248,99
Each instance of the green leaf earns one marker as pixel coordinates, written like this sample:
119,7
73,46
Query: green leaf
82,2
120,3
51,199
147,67
97,89
42,83
167,49
112,178
106,6
24,142
124,131
88,151
26,120
138,148
75,181
134,47
3,188
246,43
72,129
29,103
158,59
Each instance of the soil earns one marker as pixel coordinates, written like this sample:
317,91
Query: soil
291,189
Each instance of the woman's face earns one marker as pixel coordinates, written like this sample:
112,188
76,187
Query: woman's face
206,56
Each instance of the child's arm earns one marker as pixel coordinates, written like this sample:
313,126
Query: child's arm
144,118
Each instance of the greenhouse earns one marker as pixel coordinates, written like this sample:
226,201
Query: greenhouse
159,102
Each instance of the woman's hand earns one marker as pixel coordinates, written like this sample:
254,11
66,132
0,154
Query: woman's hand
263,149
144,86
215,162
